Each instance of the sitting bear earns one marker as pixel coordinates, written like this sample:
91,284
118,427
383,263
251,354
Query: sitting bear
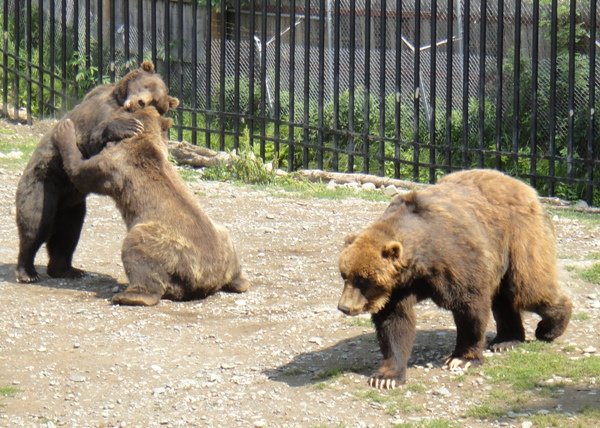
49,208
476,242
172,248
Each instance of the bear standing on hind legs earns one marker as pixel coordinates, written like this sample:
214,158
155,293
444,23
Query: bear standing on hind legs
476,242
49,208
172,248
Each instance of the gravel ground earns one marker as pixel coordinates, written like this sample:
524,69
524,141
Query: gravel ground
263,358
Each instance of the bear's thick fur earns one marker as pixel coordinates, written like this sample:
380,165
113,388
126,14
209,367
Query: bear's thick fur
172,248
477,242
49,208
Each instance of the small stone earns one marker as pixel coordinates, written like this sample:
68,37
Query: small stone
526,424
260,423
76,377
390,190
316,340
368,186
270,216
42,349
443,391
240,302
581,204
589,350
331,185
156,368
115,289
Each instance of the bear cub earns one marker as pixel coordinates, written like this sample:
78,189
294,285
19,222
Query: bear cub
476,242
49,208
172,249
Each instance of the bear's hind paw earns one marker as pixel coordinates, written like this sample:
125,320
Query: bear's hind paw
454,363
380,382
505,346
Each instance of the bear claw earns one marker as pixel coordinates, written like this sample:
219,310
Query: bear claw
381,383
454,363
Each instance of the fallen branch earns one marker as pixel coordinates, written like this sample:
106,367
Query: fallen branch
196,156
342,178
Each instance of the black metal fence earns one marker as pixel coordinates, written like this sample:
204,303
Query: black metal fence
409,89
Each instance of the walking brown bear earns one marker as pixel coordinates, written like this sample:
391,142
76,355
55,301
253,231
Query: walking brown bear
49,207
172,248
476,242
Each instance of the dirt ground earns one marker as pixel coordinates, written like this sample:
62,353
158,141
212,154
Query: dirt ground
263,358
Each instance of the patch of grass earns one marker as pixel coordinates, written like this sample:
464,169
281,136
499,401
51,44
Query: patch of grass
497,404
580,316
16,153
8,391
586,417
588,218
594,256
393,402
527,367
591,274
417,388
570,268
189,174
434,423
359,322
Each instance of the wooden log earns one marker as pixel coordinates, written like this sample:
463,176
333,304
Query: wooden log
341,178
196,156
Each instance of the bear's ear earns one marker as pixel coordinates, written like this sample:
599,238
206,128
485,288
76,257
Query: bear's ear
392,250
173,103
148,66
349,240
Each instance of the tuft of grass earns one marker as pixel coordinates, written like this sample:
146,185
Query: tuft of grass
434,423
393,401
591,274
8,391
15,154
359,322
580,316
189,174
590,219
529,366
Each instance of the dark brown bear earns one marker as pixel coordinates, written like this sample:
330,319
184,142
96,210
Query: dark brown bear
172,249
478,241
49,208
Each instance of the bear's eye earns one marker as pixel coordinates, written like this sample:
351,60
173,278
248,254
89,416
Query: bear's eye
361,283
141,103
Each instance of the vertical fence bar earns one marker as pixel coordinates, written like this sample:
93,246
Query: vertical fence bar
222,65
126,34
382,70
87,35
552,112
466,62
351,86
17,59
153,31
100,44
277,105
306,86
75,71
181,65
516,131
252,64
194,94
534,91
63,48
432,92
417,92
589,186
263,78
499,82
167,43
236,90
571,91
51,56
113,30
140,29
398,89
321,87
336,85
292,85
482,58
5,33
208,76
40,23
367,88
449,85
29,33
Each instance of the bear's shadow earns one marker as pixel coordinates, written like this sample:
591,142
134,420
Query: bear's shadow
100,284
360,354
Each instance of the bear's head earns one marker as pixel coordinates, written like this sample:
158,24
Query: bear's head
371,265
143,87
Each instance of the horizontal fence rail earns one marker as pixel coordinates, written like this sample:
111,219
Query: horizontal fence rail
405,89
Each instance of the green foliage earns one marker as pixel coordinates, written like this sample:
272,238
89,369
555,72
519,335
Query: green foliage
8,391
591,274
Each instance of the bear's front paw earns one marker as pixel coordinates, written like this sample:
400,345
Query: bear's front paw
125,128
385,382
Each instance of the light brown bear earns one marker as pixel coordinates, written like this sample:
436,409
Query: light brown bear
49,208
476,242
172,248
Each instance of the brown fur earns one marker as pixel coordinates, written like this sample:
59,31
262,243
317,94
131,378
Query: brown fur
477,242
172,248
49,208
